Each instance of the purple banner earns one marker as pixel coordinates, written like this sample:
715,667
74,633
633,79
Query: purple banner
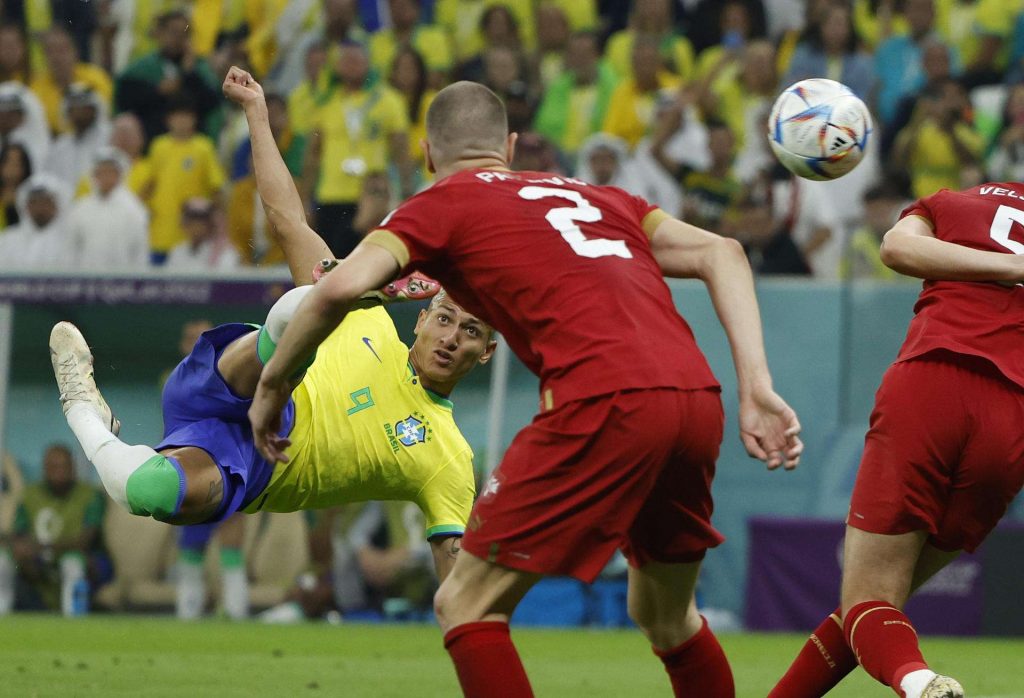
140,291
795,570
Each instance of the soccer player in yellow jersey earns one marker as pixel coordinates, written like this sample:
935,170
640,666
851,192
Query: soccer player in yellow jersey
368,419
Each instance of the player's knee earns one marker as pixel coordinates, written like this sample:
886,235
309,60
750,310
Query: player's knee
283,310
662,626
277,320
448,608
649,618
442,603
156,489
642,614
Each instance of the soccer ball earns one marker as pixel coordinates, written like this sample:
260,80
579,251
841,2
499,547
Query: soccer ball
818,129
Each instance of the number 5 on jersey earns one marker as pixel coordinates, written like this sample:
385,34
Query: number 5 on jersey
564,221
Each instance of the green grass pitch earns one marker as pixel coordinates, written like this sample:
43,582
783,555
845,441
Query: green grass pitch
133,656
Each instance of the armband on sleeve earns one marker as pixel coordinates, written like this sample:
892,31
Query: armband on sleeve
652,220
392,243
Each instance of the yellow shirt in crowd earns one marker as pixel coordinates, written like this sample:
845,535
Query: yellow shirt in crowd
933,162
179,171
430,41
354,127
461,19
631,112
676,51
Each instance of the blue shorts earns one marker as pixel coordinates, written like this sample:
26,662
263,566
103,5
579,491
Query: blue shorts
201,411
197,536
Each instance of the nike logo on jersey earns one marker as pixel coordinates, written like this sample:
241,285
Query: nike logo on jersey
369,345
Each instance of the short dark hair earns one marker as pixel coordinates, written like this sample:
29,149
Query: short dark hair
166,18
59,447
181,101
466,119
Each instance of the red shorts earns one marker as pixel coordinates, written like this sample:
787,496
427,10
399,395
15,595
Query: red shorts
629,470
945,452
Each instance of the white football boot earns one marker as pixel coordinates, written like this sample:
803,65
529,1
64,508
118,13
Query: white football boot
943,687
72,367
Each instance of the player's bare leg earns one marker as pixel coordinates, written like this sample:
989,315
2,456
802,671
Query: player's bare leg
662,603
234,580
878,576
473,606
826,659
138,478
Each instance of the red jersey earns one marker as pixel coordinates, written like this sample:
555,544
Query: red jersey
563,269
980,319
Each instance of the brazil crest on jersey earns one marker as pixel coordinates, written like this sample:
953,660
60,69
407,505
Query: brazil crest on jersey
366,428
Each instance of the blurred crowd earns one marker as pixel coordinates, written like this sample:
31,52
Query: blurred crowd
62,548
117,151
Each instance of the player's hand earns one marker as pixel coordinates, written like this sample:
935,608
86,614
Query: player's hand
770,430
265,418
241,87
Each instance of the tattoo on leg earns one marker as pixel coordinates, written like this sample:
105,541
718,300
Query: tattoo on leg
216,491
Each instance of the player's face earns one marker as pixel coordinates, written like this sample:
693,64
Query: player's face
449,343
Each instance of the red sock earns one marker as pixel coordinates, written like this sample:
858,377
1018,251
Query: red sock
486,661
698,667
823,662
884,642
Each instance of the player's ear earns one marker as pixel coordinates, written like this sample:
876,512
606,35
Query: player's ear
420,319
488,352
425,146
510,148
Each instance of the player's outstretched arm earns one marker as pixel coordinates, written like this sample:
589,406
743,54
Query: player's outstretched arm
768,426
911,248
368,267
302,247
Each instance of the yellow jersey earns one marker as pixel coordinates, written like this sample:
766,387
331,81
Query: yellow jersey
367,429
431,42
354,129
631,112
178,170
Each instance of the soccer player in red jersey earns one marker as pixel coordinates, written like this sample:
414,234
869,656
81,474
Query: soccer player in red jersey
623,451
944,455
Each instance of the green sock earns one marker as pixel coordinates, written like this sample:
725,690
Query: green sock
231,558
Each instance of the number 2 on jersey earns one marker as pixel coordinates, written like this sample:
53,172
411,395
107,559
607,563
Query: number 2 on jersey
1002,224
564,221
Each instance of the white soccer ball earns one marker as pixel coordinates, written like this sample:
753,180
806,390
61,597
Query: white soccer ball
818,129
